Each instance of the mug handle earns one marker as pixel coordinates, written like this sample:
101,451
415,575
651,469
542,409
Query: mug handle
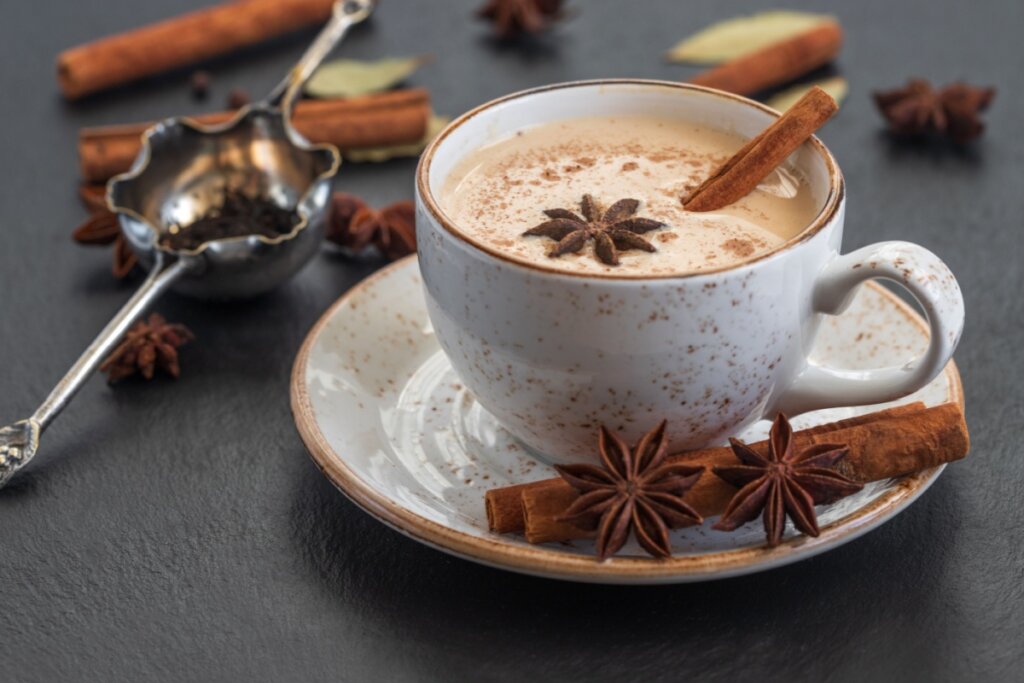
921,273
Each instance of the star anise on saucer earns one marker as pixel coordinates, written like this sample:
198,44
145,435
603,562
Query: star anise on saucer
148,345
634,491
783,482
917,109
101,228
513,18
355,225
612,231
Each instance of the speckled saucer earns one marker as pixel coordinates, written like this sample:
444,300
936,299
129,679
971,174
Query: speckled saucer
387,421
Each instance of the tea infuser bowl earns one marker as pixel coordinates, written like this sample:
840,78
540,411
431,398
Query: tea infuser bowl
185,170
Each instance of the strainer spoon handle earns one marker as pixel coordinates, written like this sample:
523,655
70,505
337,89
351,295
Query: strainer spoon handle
346,14
19,441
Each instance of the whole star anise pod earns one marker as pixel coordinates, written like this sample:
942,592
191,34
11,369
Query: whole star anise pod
918,109
614,230
783,482
355,225
148,345
101,228
513,18
634,491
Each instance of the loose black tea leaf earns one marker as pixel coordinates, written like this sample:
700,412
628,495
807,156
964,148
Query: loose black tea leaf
240,215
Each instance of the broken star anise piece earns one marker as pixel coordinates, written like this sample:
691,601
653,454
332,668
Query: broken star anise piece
355,225
148,345
634,491
612,231
917,109
101,228
512,18
783,482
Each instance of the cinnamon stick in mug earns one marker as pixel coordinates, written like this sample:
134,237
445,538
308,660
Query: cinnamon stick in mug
740,175
181,41
380,120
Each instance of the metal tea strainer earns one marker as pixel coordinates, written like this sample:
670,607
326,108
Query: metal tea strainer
183,171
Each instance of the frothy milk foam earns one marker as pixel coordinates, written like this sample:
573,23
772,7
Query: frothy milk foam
499,191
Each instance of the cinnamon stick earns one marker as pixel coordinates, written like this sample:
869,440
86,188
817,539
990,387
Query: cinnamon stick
740,174
776,63
886,444
181,41
381,120
542,509
505,505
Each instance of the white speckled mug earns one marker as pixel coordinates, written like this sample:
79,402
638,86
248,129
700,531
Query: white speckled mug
553,355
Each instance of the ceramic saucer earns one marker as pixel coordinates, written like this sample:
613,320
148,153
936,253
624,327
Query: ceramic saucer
387,420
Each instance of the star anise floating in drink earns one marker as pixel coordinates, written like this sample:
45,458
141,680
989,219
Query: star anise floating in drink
783,482
634,491
917,109
101,228
355,225
512,18
612,231
148,345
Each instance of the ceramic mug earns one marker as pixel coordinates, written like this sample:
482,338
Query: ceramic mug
553,355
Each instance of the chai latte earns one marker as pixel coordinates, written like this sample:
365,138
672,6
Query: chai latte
498,192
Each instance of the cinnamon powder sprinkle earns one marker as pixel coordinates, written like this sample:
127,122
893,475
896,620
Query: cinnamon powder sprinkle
739,247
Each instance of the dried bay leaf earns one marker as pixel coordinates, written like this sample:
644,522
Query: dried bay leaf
736,37
352,77
377,154
837,87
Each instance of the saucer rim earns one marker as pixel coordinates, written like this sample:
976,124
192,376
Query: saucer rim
542,561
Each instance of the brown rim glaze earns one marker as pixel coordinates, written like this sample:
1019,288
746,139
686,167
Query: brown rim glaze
837,186
542,560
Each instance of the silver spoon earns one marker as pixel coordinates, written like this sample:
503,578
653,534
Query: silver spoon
184,170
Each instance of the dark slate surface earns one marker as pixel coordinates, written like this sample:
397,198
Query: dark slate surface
178,531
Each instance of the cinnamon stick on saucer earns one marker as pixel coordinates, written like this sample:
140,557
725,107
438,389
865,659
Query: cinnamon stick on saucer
886,444
505,504
183,40
740,175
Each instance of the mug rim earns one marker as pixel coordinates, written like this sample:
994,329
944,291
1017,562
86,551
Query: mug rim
834,199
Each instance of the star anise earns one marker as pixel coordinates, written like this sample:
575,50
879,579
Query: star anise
783,482
513,18
101,228
918,109
355,225
634,491
148,345
614,230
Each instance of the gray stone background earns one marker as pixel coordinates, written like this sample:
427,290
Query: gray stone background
178,531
